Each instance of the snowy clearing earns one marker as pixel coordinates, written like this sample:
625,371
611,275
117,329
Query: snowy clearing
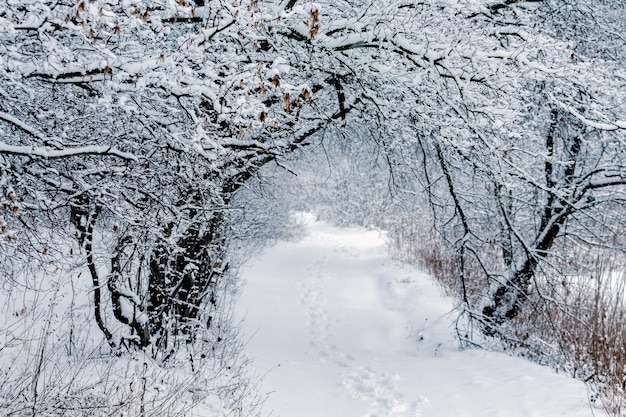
338,329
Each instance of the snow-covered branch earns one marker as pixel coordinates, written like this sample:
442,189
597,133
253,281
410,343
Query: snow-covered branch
47,153
609,126
23,126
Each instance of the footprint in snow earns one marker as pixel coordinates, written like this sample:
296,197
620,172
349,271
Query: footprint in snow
381,393
377,389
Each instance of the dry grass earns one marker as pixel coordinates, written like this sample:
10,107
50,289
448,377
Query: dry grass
574,322
414,243
584,318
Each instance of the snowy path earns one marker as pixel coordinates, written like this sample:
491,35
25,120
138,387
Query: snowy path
339,330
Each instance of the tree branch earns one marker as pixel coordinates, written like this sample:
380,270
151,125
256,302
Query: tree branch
48,153
610,126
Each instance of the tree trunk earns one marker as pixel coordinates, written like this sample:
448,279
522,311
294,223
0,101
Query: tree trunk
183,278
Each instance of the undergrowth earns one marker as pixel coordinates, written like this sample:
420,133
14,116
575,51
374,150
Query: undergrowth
571,321
53,362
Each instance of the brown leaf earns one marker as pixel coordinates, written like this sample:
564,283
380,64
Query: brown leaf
306,95
276,81
287,101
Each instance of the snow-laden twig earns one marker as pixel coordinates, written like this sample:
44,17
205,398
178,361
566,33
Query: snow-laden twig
48,153
615,125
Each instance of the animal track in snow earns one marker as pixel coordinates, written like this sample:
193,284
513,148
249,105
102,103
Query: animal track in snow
377,389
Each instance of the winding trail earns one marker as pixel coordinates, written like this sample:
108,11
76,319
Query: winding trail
339,330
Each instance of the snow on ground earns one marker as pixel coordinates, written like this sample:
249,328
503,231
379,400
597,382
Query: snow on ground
339,330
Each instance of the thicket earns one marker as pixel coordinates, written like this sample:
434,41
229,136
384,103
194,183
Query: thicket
574,318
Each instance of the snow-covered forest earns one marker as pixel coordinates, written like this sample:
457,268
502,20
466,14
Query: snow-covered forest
149,148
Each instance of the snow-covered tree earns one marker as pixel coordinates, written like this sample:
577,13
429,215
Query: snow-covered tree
130,125
532,157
